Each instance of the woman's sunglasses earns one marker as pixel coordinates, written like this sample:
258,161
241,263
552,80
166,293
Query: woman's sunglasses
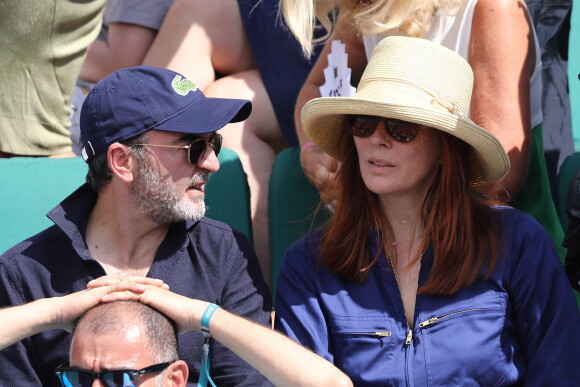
196,150
73,377
365,126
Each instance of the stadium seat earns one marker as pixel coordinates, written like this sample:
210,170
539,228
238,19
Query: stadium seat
566,174
292,207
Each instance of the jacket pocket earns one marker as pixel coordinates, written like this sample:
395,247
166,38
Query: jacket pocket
362,346
463,345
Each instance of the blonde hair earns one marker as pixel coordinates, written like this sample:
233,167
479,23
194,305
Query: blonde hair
410,17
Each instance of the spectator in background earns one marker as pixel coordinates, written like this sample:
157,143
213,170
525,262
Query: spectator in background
42,45
241,51
552,22
128,30
507,74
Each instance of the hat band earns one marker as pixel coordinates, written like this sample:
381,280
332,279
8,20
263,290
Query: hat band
444,101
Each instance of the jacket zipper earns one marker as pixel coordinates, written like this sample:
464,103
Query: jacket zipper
409,338
434,319
377,333
408,373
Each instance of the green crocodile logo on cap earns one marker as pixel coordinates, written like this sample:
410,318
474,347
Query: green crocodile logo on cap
182,86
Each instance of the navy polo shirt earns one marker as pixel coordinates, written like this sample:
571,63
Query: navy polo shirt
206,260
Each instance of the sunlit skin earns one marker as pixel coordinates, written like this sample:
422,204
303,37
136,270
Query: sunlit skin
398,172
121,350
172,163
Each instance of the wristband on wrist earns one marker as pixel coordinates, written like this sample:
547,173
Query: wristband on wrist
309,143
211,308
204,376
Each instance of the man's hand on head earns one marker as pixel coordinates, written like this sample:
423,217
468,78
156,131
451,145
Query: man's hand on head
116,278
185,312
67,309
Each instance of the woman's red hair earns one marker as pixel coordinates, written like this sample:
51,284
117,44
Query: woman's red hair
457,222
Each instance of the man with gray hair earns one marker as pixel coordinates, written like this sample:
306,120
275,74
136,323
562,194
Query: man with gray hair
150,139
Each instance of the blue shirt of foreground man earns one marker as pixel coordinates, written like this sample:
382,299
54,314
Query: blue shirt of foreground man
149,139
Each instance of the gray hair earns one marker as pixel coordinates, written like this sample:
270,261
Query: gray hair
100,174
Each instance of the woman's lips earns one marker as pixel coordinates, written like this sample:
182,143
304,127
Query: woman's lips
380,162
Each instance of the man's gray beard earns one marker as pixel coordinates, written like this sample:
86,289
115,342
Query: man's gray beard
159,200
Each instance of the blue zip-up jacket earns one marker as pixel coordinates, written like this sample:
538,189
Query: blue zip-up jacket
206,260
519,327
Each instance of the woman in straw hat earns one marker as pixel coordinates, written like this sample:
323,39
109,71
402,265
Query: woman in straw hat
417,279
498,40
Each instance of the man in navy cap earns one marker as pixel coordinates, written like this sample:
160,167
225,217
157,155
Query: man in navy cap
149,137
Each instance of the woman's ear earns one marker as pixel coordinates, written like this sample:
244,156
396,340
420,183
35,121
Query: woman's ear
122,162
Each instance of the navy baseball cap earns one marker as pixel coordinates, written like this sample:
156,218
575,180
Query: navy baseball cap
132,101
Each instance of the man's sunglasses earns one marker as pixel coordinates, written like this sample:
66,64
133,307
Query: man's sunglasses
365,126
74,377
196,150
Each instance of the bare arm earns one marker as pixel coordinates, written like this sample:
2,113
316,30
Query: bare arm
317,165
127,46
26,320
280,359
19,322
502,56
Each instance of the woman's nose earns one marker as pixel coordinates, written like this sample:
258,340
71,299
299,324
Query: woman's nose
380,136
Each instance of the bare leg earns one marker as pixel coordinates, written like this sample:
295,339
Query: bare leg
199,38
256,141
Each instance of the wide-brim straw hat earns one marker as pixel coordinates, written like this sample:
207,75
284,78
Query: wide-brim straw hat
413,80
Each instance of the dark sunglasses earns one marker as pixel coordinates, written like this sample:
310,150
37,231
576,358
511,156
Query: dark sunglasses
364,126
196,150
74,377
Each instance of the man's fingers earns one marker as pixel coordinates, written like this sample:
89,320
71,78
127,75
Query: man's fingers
113,279
121,296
